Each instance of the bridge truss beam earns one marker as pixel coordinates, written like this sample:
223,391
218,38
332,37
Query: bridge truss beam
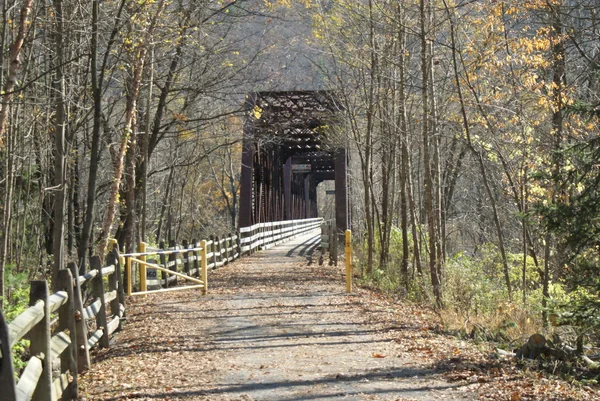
287,154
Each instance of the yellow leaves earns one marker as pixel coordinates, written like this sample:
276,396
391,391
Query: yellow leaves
257,112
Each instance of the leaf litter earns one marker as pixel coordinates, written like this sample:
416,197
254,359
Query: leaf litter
276,328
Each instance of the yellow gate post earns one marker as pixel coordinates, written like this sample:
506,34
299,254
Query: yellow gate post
348,261
203,266
128,272
142,267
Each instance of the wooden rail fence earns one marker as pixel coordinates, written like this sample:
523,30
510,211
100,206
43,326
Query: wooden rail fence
57,324
189,262
57,327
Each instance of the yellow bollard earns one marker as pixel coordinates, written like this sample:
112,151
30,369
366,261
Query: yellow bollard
128,272
142,269
203,266
349,261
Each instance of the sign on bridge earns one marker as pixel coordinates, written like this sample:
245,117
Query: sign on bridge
301,168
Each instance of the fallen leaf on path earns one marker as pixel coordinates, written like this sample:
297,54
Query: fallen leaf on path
374,355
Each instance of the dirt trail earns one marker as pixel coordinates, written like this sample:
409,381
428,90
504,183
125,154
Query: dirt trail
275,326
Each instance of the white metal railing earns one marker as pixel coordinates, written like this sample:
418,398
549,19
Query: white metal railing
267,235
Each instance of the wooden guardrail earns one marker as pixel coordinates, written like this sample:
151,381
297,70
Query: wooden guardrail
189,262
267,235
64,340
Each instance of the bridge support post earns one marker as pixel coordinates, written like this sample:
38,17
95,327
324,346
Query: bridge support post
246,182
341,196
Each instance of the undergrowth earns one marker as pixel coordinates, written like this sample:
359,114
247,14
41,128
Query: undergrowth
15,303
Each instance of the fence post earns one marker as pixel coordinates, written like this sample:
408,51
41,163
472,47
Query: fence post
226,243
203,268
66,320
128,275
7,378
163,262
229,246
196,257
186,254
83,351
114,244
348,261
212,251
118,268
98,292
142,267
218,254
113,285
39,337
173,258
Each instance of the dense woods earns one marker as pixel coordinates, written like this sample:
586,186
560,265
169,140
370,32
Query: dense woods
472,127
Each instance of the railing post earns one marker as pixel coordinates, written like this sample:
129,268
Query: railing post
203,266
113,285
163,262
226,248
98,292
66,320
186,254
142,267
219,254
196,257
212,251
7,373
119,261
349,271
128,275
114,244
83,351
173,258
39,337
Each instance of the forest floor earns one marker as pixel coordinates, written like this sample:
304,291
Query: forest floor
277,326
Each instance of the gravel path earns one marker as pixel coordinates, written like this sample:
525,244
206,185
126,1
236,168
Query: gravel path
275,326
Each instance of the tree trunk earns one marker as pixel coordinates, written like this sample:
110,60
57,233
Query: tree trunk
558,102
432,226
478,155
130,111
60,145
97,79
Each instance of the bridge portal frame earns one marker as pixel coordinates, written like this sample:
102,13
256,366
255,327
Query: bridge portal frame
287,154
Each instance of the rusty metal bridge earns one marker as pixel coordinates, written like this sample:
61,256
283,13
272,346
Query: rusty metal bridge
289,149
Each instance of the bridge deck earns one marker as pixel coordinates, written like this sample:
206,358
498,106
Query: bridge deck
275,326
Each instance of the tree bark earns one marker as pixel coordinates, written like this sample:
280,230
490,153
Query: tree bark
97,84
432,226
130,110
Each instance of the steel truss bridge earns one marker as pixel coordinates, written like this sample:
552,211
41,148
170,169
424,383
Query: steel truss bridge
289,149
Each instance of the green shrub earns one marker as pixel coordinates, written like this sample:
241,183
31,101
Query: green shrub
16,302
